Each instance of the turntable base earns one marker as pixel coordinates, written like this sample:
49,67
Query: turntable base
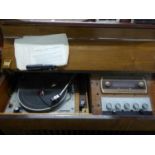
68,105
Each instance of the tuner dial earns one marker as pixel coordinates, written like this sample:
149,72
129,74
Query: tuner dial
145,106
127,106
118,107
136,107
141,84
109,106
107,84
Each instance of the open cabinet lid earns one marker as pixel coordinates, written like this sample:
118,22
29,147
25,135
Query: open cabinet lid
91,47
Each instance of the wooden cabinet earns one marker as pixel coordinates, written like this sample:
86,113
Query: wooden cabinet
116,50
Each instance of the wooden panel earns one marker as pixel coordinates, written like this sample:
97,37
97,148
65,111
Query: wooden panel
80,23
93,55
77,31
4,95
88,123
102,56
95,94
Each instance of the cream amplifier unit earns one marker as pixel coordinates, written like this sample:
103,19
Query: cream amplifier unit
118,96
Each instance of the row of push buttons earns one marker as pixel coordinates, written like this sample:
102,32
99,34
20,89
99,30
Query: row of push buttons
127,107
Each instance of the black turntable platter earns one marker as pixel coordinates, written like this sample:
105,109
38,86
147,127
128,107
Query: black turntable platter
32,100
37,91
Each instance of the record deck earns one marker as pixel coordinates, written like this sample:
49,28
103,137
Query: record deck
43,93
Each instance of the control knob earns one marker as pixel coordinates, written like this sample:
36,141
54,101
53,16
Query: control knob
16,109
107,84
141,84
118,107
109,106
145,107
136,107
127,106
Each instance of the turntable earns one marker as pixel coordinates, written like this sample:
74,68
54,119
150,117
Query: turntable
43,94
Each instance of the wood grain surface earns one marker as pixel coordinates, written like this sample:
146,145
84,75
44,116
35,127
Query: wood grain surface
101,56
4,95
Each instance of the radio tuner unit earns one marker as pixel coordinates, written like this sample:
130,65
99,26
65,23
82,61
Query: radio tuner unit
118,96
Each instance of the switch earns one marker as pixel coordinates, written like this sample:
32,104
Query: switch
82,103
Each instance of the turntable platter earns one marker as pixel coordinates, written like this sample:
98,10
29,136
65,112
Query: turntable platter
31,100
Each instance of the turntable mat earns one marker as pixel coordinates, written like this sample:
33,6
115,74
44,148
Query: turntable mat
32,101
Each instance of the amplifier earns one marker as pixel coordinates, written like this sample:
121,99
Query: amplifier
120,96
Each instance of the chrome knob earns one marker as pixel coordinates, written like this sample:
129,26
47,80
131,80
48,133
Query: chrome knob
136,107
127,106
16,110
109,106
107,83
145,106
118,107
141,84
